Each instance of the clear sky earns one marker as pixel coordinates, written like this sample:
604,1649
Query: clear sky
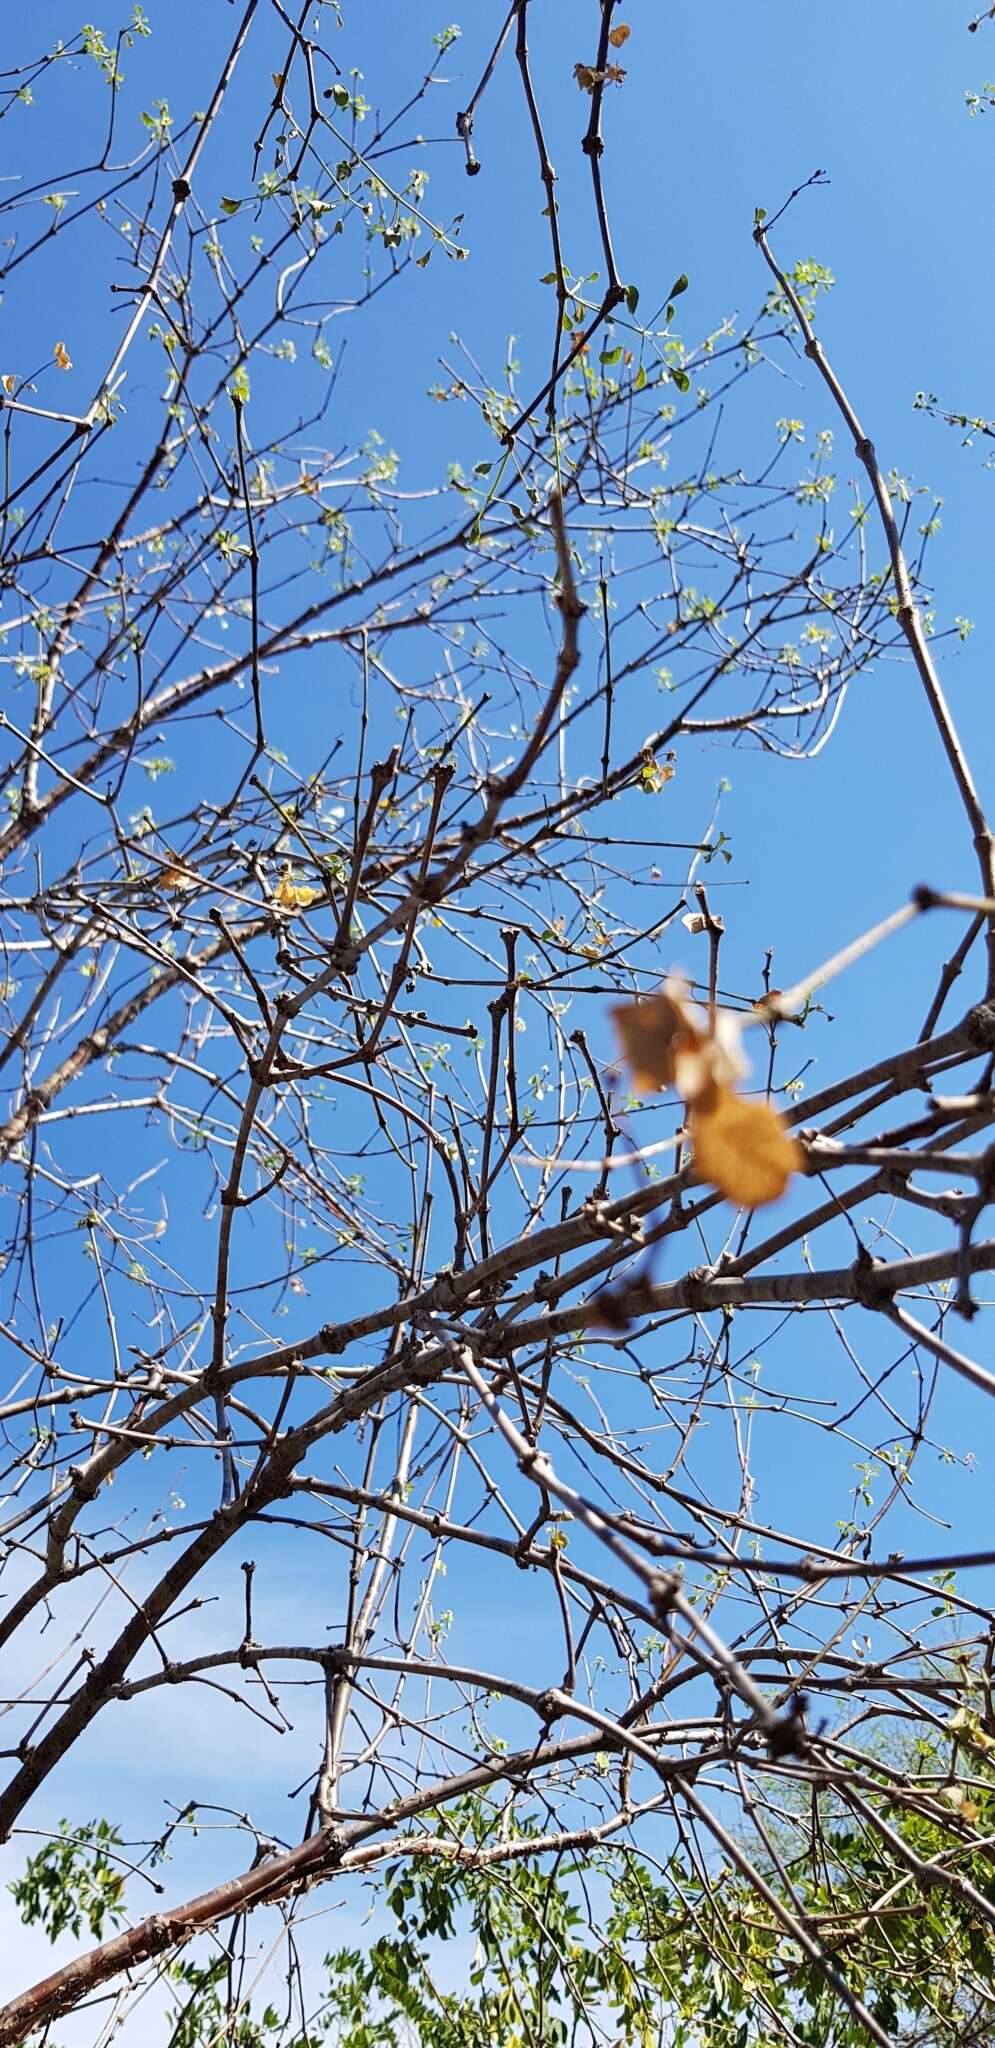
725,107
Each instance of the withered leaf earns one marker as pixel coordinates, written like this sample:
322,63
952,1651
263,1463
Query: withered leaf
291,895
618,36
176,878
588,77
654,775
670,1043
63,359
743,1148
651,1032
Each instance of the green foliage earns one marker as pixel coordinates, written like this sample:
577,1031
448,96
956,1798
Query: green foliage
808,277
204,2015
72,1882
981,102
596,1944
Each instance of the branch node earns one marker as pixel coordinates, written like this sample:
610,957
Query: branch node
695,1283
789,1736
980,1027
663,1590
872,1287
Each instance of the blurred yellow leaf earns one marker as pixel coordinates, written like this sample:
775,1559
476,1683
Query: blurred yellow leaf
743,1148
291,895
669,1043
956,1796
8,383
650,1033
63,359
586,77
176,877
619,35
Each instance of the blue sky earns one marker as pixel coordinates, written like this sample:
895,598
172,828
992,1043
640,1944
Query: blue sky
724,108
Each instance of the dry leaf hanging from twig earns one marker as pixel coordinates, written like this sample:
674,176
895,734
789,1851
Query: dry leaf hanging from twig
291,895
588,77
741,1146
669,1043
175,877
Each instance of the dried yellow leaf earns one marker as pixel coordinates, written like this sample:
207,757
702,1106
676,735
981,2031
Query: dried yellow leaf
669,1043
619,35
588,77
175,877
956,1796
654,775
651,1033
292,895
743,1148
9,383
63,359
